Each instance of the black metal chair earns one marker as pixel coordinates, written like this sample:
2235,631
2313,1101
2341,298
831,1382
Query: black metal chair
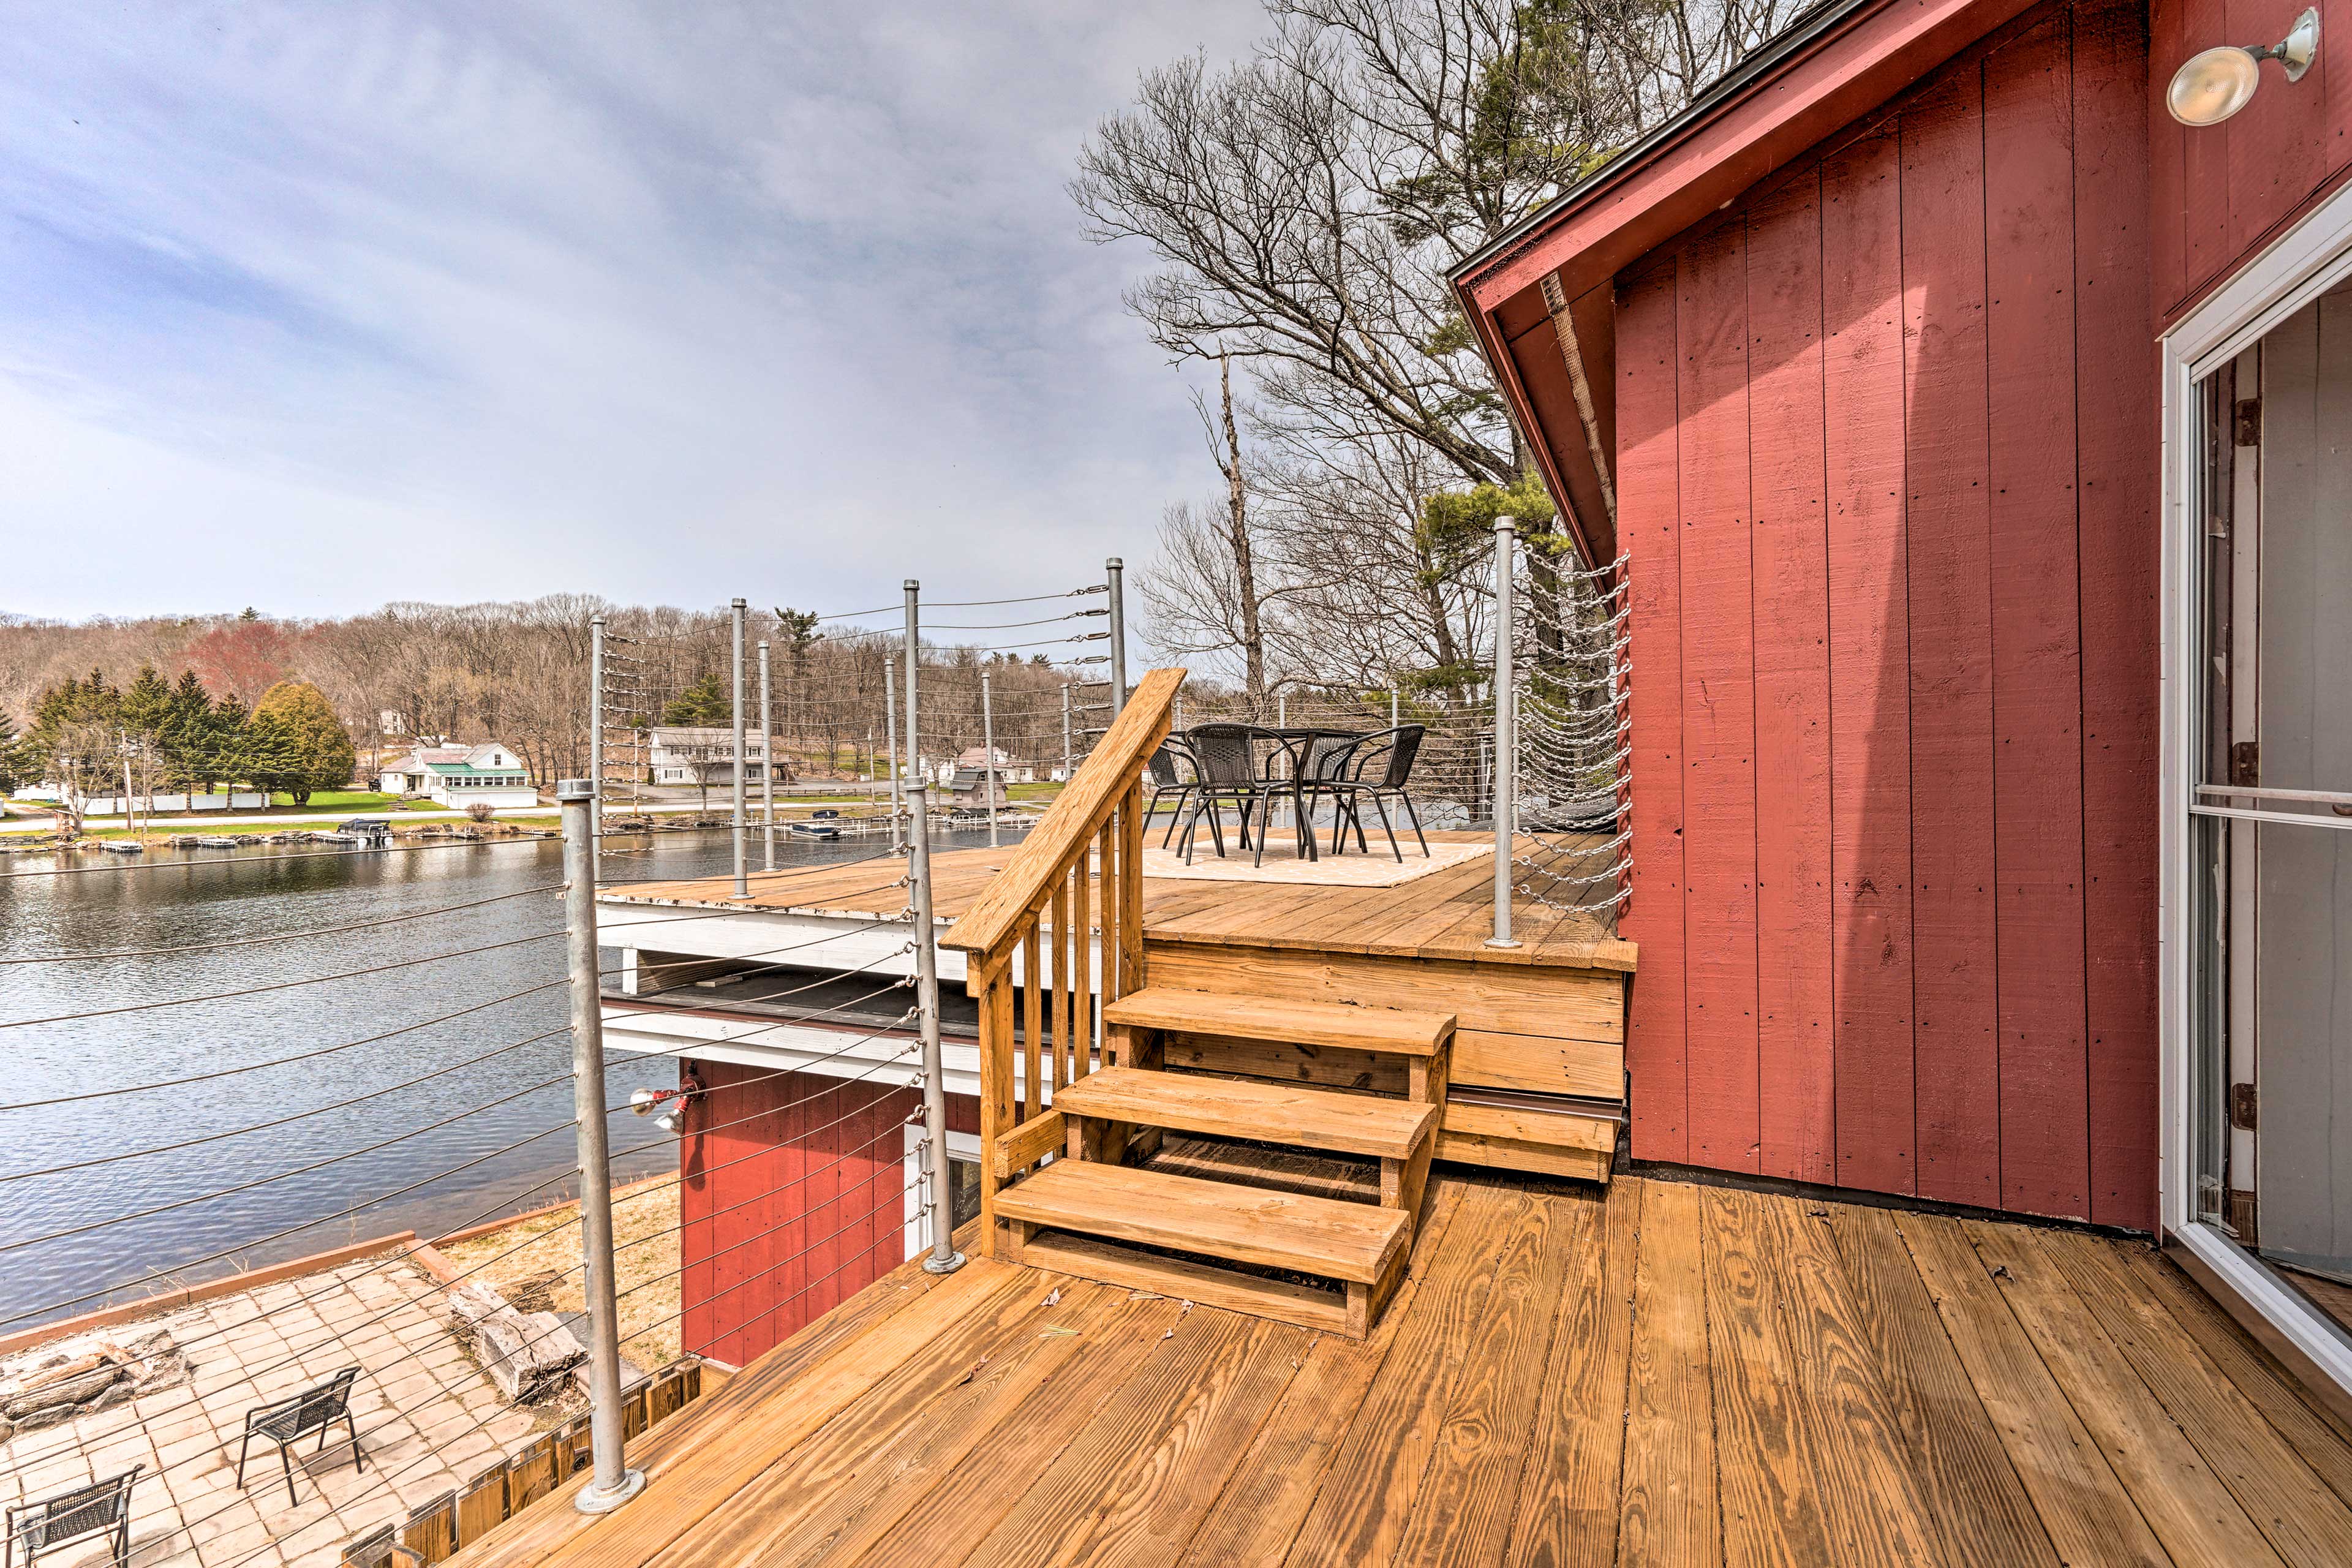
1225,769
101,1506
1376,768
1169,783
286,1422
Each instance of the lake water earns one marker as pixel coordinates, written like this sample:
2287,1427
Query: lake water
482,1139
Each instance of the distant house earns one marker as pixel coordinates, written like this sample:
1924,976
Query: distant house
461,776
974,760
703,755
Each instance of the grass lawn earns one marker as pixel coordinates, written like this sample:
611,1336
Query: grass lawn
351,800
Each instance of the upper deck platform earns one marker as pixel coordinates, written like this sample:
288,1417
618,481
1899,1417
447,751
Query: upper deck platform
1648,1373
1444,914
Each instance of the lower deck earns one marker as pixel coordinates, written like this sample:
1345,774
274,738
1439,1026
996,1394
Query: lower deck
1649,1372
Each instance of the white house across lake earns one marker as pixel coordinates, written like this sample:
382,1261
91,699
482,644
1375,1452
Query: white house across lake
461,776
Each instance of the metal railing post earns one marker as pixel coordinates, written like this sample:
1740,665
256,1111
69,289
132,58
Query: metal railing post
988,745
1506,769
890,739
767,769
1067,753
944,1258
743,866
613,1483
1393,704
1115,574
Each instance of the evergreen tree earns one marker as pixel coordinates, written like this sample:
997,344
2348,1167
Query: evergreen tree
15,760
187,733
146,705
299,742
704,703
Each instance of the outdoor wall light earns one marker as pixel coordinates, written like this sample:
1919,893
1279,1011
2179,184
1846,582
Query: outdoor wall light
673,1103
2213,85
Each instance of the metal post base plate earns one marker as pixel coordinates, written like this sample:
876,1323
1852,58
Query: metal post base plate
592,1499
948,1265
1502,942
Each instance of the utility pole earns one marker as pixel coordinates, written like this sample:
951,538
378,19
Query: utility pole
613,1483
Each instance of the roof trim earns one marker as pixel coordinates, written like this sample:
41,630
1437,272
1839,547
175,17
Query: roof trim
1836,64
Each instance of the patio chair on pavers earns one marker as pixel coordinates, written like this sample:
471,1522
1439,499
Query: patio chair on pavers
102,1506
286,1422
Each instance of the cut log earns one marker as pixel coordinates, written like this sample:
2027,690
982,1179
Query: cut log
68,1391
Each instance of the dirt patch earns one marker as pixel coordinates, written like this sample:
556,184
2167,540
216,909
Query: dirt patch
535,1264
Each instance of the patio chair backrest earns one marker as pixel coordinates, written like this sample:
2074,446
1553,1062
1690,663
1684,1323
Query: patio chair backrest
1392,752
1328,756
1224,755
1163,769
101,1505
306,1411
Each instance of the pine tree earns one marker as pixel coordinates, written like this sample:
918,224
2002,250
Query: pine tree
704,703
16,761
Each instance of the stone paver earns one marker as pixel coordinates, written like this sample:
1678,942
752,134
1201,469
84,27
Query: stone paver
429,1421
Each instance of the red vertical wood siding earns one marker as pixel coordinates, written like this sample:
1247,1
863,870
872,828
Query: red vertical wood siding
1951,585
1908,573
2221,191
1718,699
2029,332
1865,395
2117,537
1796,1094
792,1200
1649,525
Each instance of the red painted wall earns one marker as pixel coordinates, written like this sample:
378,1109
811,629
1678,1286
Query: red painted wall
1888,482
2221,192
791,1201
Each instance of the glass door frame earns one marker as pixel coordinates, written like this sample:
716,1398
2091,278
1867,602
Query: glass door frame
2297,268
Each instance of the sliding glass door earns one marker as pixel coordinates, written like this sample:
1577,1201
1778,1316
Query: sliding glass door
2268,840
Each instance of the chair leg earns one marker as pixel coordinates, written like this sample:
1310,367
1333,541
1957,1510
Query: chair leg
288,1462
243,1444
357,1462
1387,827
1404,806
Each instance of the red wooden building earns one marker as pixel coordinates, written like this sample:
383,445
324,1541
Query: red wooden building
1976,438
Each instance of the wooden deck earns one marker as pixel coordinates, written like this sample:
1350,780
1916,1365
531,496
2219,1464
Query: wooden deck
1650,1373
1446,914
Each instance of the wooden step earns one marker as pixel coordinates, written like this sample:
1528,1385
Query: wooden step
1236,1108
1407,1031
1351,1242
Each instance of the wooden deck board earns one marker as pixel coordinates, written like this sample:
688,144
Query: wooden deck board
1432,917
1653,1372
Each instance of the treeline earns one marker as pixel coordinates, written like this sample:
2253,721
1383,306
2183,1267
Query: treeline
90,737
518,673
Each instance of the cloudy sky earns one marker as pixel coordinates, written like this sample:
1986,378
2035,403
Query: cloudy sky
311,307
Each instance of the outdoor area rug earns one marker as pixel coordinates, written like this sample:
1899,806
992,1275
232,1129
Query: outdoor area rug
1353,870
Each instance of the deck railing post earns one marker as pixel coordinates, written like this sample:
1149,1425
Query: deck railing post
890,739
1506,772
767,770
944,1259
613,1482
743,864
988,747
595,740
1115,576
1067,753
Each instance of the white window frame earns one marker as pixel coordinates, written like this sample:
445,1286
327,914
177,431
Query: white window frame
2296,268
960,1146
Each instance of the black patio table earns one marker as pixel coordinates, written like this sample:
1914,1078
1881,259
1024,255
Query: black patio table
1303,762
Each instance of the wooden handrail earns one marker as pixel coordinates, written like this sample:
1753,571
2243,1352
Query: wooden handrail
988,932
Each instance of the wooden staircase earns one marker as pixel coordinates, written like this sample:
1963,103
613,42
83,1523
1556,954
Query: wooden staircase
1067,1132
1090,1214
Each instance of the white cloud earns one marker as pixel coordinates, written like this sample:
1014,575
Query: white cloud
662,304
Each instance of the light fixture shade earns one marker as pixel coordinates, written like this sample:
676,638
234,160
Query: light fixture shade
2212,86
